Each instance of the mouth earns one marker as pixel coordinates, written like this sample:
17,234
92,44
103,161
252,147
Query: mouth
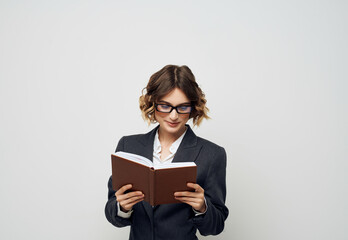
173,124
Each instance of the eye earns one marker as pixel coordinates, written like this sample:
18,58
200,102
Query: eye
183,108
163,106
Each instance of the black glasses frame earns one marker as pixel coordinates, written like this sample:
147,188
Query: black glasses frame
172,107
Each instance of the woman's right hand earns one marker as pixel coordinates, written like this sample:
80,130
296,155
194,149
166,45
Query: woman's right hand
128,200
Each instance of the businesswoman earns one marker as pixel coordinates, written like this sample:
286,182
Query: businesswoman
171,98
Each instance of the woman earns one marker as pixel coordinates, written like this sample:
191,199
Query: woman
172,97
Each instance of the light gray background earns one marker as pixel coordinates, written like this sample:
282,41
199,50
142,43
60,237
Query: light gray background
274,74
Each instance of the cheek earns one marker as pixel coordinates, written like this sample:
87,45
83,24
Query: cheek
184,117
160,115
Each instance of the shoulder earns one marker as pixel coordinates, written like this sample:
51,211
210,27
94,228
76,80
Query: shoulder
143,137
208,144
212,157
135,140
131,139
211,150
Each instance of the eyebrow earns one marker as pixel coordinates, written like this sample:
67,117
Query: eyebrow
185,103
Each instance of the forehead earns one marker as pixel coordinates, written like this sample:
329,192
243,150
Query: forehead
175,97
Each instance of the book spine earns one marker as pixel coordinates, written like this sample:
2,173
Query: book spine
152,186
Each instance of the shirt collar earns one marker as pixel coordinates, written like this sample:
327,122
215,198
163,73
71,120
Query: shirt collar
173,148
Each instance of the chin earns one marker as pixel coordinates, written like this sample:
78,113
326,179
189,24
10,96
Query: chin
173,130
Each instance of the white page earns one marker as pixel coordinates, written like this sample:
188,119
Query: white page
175,165
146,162
135,158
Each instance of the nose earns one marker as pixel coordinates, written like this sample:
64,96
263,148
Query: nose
174,115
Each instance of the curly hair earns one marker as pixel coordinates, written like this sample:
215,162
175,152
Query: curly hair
164,81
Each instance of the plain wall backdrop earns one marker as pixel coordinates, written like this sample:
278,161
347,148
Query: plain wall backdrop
275,77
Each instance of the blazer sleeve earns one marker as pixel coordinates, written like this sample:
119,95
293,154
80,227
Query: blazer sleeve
111,207
213,221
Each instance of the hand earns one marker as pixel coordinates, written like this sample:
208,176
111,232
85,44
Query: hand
194,199
128,200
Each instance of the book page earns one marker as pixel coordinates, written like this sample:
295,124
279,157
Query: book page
146,162
135,158
175,165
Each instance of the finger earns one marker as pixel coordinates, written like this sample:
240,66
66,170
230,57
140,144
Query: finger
130,200
122,197
124,188
189,199
133,194
195,205
186,201
130,205
196,187
198,206
189,194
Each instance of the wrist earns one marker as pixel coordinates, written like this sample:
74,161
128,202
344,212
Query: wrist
124,210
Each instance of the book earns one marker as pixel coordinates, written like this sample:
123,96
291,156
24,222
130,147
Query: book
158,183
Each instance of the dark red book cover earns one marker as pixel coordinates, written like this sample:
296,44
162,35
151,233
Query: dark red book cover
158,185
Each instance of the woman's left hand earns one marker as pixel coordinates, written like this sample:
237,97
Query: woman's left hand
194,199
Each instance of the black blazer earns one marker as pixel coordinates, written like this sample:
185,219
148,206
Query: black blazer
176,221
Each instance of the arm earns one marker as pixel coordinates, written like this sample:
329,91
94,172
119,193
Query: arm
120,200
213,221
111,211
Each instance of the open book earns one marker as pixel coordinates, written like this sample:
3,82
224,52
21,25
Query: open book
158,183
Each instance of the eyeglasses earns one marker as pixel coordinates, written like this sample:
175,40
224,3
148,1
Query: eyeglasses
166,108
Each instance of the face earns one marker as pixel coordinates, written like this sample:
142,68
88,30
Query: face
173,123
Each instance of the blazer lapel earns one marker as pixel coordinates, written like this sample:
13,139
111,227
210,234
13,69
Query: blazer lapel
188,149
146,147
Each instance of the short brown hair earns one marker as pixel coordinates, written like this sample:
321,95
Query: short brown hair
164,81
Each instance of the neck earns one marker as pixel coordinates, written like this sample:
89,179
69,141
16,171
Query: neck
167,138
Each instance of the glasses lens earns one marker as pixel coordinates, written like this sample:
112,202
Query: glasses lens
184,109
163,108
